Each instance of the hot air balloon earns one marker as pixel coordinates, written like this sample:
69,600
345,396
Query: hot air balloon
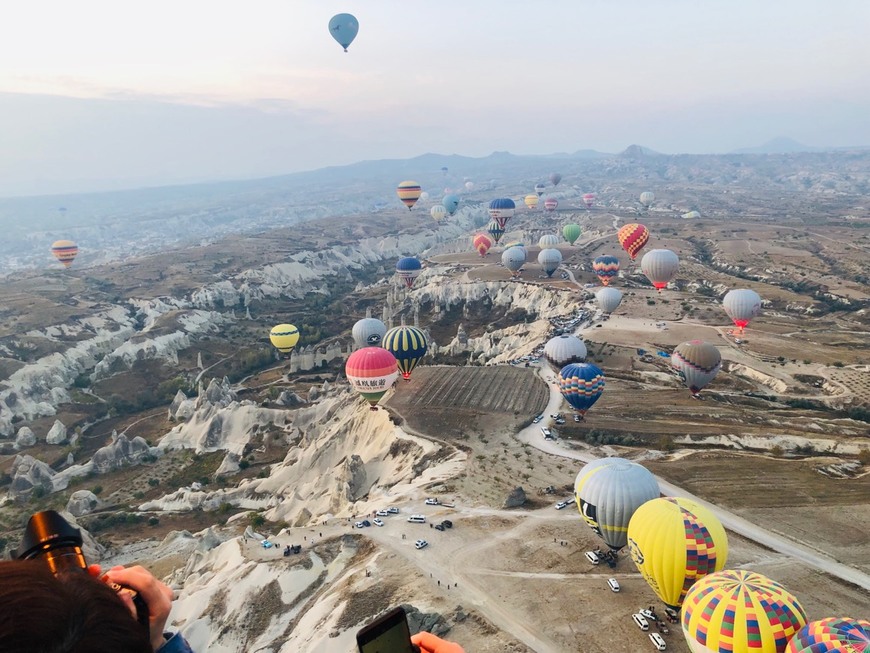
424,196
513,258
451,203
531,201
548,240
469,185
438,212
482,243
371,372
539,189
581,385
608,299
674,542
589,200
444,170
633,237
571,232
832,635
408,269
660,266
647,198
408,345
284,337
555,178
550,204
608,491
501,210
698,362
369,331
691,215
564,350
549,260
605,268
409,192
65,251
516,243
495,230
344,28
741,305
740,611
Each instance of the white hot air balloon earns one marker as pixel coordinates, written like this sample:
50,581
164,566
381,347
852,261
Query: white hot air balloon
608,298
549,260
513,258
660,267
647,198
549,240
369,331
698,363
564,350
741,305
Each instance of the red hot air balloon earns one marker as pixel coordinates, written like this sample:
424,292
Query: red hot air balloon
482,243
633,237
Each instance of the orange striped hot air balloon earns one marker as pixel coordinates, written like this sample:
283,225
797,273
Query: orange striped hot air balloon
409,192
482,243
65,251
633,237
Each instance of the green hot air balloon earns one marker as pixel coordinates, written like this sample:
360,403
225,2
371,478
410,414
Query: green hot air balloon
571,232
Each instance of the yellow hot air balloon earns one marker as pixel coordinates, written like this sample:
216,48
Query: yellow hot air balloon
64,251
409,192
674,542
284,337
531,201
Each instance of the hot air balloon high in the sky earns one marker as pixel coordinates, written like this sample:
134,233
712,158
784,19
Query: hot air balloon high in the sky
660,266
571,232
697,362
608,491
438,213
408,269
409,192
369,331
549,260
371,372
741,611
605,267
555,178
408,345
741,305
581,385
451,203
647,198
513,258
284,338
563,350
65,251
531,201
832,635
482,244
589,200
550,204
539,189
608,299
501,210
548,240
344,28
675,541
633,237
495,230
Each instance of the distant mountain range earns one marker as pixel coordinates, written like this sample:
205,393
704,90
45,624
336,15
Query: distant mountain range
783,145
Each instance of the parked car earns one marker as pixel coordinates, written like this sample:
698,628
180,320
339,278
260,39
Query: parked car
546,432
393,510
537,419
576,418
658,641
649,614
417,519
421,544
447,523
640,621
591,557
359,524
562,504
366,522
382,513
432,502
378,522
439,527
266,544
613,584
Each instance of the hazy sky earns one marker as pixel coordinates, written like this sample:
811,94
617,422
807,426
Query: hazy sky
101,94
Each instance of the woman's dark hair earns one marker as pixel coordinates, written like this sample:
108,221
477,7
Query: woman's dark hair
69,613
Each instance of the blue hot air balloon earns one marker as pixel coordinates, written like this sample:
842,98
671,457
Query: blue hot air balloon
451,203
581,385
501,210
344,28
408,268
408,344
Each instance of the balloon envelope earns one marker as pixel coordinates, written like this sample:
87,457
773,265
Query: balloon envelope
451,203
495,230
741,305
284,337
633,237
697,362
65,251
691,215
674,542
589,199
739,611
469,185
549,260
344,28
555,178
647,198
501,210
513,258
550,204
482,243
548,240
531,201
581,385
368,332
438,213
564,350
608,299
608,492
832,635
371,372
660,266
409,192
408,269
605,268
571,232
539,189
408,345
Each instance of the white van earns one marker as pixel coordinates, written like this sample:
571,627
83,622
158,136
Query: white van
642,623
591,557
658,641
613,584
417,519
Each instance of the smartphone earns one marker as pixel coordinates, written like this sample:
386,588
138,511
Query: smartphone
388,633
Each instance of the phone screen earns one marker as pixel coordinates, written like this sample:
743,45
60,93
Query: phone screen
387,634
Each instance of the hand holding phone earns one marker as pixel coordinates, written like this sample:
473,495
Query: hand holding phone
429,643
387,634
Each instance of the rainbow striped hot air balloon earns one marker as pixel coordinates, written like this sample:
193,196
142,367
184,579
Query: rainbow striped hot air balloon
65,251
740,611
495,230
408,269
409,192
633,237
501,210
605,268
581,384
371,372
571,232
408,345
482,243
832,635
284,337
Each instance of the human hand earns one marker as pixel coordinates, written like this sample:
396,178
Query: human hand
429,643
156,595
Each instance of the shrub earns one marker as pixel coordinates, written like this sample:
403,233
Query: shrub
153,482
153,521
97,489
